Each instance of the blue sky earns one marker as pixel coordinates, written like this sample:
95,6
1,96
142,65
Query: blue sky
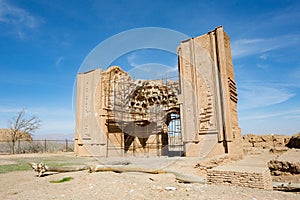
43,43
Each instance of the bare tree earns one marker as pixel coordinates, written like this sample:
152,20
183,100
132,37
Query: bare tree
19,127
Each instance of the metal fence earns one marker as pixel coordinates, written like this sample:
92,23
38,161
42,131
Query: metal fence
36,146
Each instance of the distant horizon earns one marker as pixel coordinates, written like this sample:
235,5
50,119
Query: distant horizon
57,136
54,136
71,136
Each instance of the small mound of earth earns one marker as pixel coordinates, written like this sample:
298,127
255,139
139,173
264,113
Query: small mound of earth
294,142
216,161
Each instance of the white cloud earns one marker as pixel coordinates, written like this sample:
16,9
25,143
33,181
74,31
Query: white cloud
264,56
17,18
289,114
292,116
289,15
254,96
262,66
143,69
296,73
9,110
153,71
248,47
11,14
58,62
132,59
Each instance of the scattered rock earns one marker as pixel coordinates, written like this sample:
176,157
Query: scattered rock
170,188
276,173
278,150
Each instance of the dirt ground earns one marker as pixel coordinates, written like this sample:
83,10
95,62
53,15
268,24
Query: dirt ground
110,185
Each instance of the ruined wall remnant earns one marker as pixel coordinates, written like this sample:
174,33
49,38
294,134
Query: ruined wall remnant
194,116
289,162
241,176
208,116
294,141
124,113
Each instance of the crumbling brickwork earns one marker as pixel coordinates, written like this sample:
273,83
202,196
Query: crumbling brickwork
289,162
208,96
129,113
242,177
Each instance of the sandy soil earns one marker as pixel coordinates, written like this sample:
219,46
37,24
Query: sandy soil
6,162
110,185
23,185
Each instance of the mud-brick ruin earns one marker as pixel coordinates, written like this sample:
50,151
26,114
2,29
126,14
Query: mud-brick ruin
194,115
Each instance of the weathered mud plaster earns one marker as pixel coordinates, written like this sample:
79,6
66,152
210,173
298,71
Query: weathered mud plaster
208,96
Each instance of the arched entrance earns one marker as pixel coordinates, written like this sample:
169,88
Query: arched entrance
174,137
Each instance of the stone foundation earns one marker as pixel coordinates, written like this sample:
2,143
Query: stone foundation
241,176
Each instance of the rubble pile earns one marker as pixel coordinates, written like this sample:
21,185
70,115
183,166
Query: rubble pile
294,142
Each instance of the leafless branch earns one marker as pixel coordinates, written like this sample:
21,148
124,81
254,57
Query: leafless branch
19,126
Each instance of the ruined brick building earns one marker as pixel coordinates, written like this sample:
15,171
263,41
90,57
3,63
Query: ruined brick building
195,115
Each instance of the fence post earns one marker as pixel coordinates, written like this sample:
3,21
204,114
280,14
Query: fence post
45,146
18,146
66,145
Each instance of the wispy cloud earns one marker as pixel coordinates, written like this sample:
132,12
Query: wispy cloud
296,73
255,96
262,66
153,71
143,66
254,46
58,62
264,56
289,114
131,59
9,110
18,18
289,15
